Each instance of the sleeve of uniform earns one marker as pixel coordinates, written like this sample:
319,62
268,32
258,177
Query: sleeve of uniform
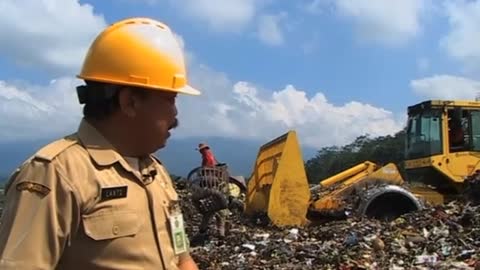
40,214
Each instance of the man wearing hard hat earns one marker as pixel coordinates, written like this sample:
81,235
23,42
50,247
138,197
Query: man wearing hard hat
99,198
208,159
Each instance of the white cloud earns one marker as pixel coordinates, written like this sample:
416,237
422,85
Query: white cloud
391,23
446,87
462,42
237,16
238,110
269,29
318,6
148,2
242,110
222,16
34,112
51,35
226,108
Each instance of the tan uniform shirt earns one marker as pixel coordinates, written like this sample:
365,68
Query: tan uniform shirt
77,204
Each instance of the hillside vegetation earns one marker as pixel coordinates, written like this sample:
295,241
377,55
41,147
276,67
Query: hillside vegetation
332,159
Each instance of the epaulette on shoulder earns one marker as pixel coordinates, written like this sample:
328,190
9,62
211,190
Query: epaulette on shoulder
53,149
157,159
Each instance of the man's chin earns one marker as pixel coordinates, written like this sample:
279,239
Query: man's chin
163,143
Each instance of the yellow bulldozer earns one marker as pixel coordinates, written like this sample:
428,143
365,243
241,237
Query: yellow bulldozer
442,163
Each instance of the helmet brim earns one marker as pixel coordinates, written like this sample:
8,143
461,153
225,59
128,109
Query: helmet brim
188,90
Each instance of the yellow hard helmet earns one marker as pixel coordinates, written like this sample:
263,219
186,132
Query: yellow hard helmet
139,52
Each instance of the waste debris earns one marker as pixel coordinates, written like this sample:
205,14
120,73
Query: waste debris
440,237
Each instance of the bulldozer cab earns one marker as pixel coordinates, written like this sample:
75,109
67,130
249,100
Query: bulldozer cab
435,130
442,143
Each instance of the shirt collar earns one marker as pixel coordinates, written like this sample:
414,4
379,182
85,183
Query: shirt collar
102,151
98,147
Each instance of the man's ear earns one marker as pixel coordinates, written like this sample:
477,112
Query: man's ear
128,102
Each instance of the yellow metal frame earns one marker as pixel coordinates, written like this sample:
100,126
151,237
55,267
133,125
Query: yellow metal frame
454,165
355,177
279,183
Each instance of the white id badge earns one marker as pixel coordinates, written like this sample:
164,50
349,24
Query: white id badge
178,233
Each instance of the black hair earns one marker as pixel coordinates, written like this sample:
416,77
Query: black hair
100,99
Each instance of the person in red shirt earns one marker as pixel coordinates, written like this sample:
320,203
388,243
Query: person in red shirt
208,159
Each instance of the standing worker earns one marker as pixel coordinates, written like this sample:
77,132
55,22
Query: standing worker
208,159
213,175
98,198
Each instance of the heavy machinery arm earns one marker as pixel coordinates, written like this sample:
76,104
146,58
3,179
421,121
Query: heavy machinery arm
364,189
279,188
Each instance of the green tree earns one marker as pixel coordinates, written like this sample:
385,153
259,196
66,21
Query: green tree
333,159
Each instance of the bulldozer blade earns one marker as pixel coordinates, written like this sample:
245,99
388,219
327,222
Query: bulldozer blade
279,185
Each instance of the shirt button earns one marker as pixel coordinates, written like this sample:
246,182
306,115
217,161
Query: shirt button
115,230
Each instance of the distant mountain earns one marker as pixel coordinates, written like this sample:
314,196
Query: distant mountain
13,154
179,156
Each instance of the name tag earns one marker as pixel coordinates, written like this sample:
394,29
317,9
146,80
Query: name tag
114,192
178,233
177,228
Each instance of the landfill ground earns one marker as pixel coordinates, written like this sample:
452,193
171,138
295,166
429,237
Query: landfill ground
446,237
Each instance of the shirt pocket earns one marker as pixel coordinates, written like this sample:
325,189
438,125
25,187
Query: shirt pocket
112,224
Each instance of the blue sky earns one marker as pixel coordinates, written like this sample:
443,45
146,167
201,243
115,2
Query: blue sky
330,69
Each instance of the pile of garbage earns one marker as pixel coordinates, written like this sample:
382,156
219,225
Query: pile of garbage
446,237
